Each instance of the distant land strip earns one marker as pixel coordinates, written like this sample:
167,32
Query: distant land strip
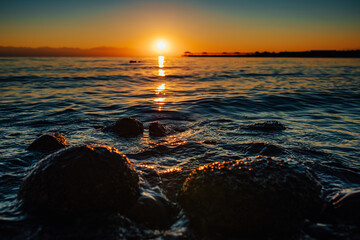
302,54
67,52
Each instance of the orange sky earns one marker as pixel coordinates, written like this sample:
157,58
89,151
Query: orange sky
184,26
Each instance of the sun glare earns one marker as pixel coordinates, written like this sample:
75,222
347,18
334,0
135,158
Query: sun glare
161,45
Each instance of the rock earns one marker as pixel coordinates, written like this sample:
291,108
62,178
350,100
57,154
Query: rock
268,126
260,149
48,143
157,129
253,197
127,127
80,180
344,207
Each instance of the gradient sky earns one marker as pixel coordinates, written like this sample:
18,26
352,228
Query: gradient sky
186,25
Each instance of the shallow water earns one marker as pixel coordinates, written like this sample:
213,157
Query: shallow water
211,100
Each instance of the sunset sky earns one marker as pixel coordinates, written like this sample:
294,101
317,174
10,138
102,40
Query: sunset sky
186,25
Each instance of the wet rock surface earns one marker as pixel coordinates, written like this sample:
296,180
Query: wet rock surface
48,143
256,197
126,127
268,126
157,129
80,180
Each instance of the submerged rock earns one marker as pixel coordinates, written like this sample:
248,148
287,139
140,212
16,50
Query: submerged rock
259,148
268,126
48,143
80,180
157,129
344,207
257,197
127,127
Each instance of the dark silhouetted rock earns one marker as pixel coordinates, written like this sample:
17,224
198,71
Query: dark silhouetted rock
257,197
48,143
268,126
344,207
127,127
80,180
157,129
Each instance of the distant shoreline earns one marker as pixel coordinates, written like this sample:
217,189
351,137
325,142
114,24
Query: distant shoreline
302,54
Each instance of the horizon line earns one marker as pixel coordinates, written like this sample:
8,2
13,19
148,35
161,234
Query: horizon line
109,51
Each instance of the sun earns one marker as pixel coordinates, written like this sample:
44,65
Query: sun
161,45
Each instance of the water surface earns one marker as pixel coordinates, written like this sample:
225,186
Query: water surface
210,100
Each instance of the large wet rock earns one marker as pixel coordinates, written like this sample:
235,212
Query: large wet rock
80,180
157,129
48,143
343,207
127,127
257,197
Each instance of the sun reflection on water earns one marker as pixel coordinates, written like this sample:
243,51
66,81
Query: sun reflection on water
160,100
161,60
160,92
161,73
160,89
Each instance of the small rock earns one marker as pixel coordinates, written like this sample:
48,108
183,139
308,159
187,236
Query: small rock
157,129
255,197
48,143
127,127
80,180
268,126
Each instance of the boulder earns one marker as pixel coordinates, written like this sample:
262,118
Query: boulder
48,143
254,197
157,129
127,127
80,180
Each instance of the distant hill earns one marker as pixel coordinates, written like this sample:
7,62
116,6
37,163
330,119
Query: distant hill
67,52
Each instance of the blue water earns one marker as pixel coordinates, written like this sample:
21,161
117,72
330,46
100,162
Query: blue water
210,99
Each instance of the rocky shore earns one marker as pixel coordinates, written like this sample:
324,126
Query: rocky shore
259,197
